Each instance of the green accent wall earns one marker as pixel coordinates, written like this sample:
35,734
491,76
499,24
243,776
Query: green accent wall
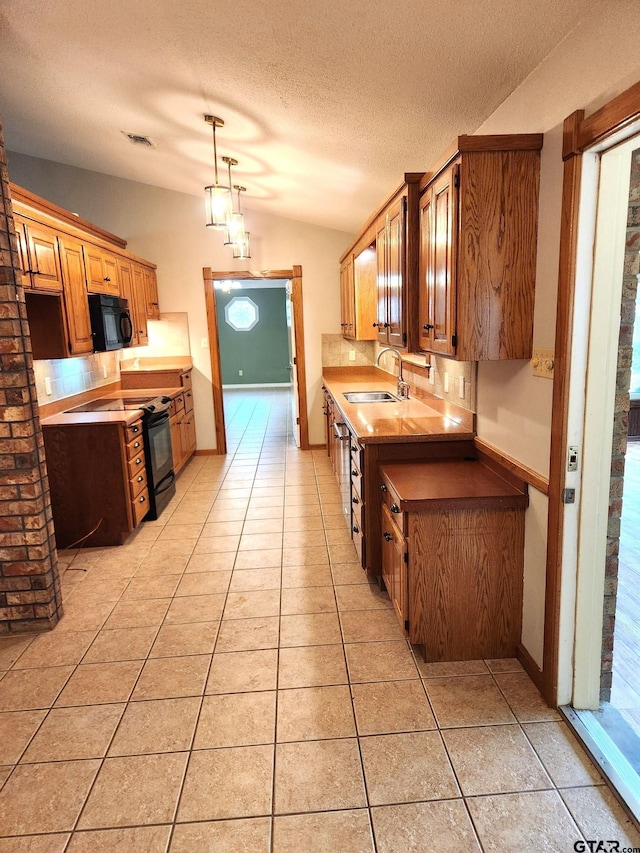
262,353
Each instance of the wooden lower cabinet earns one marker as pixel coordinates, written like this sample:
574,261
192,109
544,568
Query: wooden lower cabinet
461,526
98,482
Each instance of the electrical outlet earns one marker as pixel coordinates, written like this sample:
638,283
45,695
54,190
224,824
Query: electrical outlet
432,375
104,370
445,383
352,355
47,386
241,373
204,342
542,363
461,387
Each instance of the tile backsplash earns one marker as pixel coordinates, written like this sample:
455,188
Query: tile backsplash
168,336
336,352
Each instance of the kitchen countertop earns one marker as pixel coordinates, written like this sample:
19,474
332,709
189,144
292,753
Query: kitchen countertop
427,418
157,364
71,418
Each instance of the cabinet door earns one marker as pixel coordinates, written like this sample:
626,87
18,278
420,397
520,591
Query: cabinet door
189,432
381,284
394,568
347,299
395,275
425,277
442,297
44,262
140,304
364,297
23,252
101,271
151,291
176,441
125,277
75,296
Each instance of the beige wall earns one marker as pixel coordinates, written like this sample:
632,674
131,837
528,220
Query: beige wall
597,61
168,228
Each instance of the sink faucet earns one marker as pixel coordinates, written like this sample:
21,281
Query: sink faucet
403,387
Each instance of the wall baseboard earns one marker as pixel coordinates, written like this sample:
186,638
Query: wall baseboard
530,666
260,385
209,451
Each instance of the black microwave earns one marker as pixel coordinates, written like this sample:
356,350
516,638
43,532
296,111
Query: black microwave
111,326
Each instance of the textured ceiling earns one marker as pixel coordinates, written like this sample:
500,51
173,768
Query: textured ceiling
325,103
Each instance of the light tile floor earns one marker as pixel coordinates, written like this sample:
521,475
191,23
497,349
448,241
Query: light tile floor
229,681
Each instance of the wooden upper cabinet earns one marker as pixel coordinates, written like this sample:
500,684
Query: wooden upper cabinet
102,271
390,251
151,291
139,296
437,302
38,255
75,296
478,241
347,299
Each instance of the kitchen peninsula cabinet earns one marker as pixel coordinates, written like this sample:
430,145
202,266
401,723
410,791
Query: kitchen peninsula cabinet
453,556
98,481
478,237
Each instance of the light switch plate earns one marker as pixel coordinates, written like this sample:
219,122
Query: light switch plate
461,387
352,355
446,383
543,363
47,386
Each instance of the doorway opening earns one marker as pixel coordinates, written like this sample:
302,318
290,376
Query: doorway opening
600,557
256,339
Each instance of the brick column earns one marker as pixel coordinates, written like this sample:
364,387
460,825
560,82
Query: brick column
30,598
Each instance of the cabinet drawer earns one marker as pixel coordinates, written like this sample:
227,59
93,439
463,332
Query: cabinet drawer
358,541
392,501
178,404
185,380
188,401
136,465
357,509
138,482
140,506
357,454
133,431
356,477
135,447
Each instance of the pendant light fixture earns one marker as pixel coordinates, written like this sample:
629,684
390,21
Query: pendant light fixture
242,248
218,198
235,226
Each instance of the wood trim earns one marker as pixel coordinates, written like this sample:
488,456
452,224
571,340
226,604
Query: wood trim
528,475
295,275
301,369
216,368
560,417
212,451
317,447
530,666
479,143
570,134
31,200
611,118
367,234
248,274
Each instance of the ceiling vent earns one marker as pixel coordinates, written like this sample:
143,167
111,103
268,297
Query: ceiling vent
136,139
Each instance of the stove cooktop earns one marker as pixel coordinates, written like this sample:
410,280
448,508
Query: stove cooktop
121,404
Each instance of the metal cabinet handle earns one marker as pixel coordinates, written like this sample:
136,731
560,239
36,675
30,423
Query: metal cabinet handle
142,499
355,500
135,429
387,536
385,325
383,488
138,461
136,444
395,508
428,326
354,472
356,529
107,278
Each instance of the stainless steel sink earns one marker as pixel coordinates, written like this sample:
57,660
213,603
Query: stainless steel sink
370,397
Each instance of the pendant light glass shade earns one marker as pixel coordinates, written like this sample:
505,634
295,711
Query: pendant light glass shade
242,248
235,224
218,199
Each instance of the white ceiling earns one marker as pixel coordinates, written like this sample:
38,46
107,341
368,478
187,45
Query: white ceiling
325,103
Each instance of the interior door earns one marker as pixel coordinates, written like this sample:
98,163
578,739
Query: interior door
293,368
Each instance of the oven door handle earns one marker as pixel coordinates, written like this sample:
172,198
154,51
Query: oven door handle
165,483
156,420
